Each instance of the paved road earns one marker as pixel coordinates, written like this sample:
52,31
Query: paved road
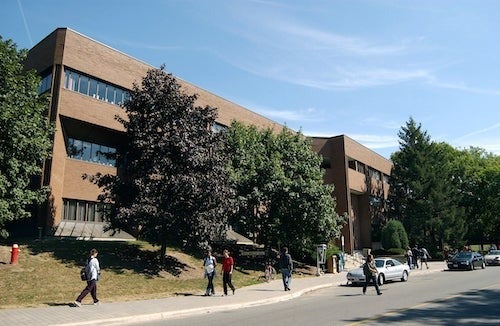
118,313
441,298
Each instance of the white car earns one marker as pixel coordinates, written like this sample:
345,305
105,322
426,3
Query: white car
492,257
389,269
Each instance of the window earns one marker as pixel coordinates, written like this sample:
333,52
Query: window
91,152
45,84
100,90
352,164
85,211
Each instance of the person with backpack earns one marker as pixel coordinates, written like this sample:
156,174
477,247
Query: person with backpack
227,271
209,264
92,272
370,271
286,266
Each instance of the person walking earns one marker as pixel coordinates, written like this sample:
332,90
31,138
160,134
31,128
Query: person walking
286,266
209,265
370,271
424,258
93,271
227,271
416,254
409,258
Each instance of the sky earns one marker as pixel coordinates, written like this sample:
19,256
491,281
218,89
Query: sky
354,67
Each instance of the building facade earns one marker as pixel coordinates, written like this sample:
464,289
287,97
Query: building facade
88,81
361,181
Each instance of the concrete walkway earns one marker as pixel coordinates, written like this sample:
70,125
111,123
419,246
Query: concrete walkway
118,313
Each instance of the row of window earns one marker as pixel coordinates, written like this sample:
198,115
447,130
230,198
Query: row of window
91,152
92,87
362,168
81,210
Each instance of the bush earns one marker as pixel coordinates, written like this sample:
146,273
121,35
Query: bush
394,235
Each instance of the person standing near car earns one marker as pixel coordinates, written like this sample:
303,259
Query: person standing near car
425,257
409,257
416,254
370,271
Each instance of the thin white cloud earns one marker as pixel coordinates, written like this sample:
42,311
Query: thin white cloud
481,131
25,22
465,88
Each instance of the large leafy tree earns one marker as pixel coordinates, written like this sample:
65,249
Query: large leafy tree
171,186
281,195
25,136
480,184
423,192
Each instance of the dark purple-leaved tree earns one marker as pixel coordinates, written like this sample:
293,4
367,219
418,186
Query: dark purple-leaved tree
171,187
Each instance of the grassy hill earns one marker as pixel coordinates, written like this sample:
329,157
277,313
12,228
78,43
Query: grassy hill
48,273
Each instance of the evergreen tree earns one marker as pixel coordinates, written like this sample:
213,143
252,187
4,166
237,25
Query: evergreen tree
25,136
423,192
171,186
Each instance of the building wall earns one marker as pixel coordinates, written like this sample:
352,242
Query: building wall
353,188
79,115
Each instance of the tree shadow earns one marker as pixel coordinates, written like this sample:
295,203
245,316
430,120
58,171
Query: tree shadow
115,256
473,307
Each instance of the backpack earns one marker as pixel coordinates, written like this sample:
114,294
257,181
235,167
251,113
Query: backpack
85,272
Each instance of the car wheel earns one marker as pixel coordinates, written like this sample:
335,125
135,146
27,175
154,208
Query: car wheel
381,279
405,276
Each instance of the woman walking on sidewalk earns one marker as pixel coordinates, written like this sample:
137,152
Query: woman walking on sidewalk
209,264
93,270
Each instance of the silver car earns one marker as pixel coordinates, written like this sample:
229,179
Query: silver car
389,269
492,257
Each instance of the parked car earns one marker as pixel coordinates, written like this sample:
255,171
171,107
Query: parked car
492,257
389,269
466,260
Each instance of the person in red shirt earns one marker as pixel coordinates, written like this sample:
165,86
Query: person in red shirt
227,271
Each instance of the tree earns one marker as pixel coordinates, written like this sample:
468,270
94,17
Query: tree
423,193
280,190
171,186
25,136
394,235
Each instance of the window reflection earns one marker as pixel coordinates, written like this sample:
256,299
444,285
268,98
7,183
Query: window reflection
91,152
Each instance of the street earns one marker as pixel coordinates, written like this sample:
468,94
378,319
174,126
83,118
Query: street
442,298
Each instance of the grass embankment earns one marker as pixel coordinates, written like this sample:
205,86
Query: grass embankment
47,273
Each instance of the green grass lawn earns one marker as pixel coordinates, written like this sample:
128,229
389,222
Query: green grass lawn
47,273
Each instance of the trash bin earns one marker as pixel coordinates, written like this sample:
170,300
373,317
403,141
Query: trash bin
331,264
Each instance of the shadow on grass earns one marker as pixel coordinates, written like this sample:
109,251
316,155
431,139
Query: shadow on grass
117,256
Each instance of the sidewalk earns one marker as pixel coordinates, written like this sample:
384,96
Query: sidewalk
118,313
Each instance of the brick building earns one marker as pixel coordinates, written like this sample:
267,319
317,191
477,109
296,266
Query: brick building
88,81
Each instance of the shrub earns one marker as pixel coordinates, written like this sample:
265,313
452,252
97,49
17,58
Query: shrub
394,235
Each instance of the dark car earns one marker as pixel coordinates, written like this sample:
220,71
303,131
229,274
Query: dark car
466,260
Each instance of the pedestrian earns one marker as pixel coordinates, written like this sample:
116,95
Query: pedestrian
425,257
416,255
286,266
409,257
209,265
370,271
227,271
93,271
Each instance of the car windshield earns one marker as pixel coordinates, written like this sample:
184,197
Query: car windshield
379,263
463,255
494,252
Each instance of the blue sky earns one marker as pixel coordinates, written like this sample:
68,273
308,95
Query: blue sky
353,67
